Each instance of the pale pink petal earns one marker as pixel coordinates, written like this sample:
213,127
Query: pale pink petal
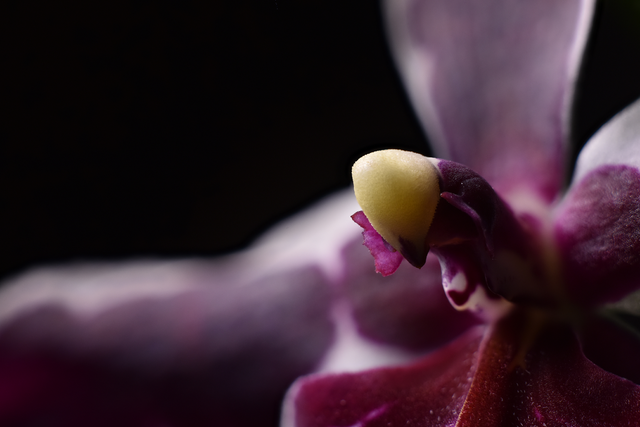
492,81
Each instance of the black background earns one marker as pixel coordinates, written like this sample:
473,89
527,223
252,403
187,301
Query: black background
173,128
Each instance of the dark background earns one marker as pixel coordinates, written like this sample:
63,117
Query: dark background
173,128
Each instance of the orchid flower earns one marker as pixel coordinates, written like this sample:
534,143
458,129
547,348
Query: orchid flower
530,328
545,269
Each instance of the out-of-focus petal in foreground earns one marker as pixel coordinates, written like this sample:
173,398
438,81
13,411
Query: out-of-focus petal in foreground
492,81
481,379
193,348
208,342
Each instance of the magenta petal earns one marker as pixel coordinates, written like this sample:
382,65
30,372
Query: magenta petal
430,392
597,231
408,309
386,258
554,385
491,82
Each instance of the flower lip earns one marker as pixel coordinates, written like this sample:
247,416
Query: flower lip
399,192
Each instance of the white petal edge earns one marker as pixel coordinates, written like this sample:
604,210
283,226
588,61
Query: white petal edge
351,352
616,142
313,237
415,67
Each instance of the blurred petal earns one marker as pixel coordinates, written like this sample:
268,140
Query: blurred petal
492,82
196,356
197,342
191,342
408,308
597,233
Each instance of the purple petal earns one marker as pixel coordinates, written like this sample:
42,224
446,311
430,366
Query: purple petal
465,283
502,251
596,228
517,375
200,355
408,309
491,82
596,223
428,392
186,343
387,259
550,384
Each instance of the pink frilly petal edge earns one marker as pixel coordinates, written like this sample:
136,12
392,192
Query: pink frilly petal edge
387,259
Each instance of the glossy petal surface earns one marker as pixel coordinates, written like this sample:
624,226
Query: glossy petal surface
509,377
491,82
551,384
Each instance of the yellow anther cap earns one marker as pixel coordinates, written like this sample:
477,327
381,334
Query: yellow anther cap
398,191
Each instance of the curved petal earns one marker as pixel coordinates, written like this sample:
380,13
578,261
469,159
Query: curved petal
202,353
187,342
501,380
596,230
615,143
408,308
430,392
491,82
549,383
198,342
596,224
502,253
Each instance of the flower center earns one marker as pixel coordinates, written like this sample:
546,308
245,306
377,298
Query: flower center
489,254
